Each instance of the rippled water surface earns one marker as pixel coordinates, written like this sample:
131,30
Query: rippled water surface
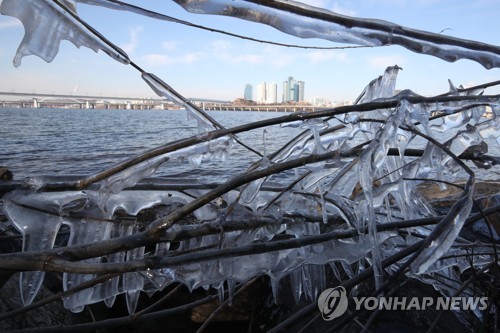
74,141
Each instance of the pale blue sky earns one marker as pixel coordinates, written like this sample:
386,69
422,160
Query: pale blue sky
205,64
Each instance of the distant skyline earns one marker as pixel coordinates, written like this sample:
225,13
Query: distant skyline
209,65
268,93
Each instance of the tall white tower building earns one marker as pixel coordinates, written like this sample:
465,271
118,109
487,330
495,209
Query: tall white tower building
261,93
271,93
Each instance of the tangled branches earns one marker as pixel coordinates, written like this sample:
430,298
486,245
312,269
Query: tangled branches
340,205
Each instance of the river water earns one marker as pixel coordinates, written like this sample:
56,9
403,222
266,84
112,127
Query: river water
75,141
80,142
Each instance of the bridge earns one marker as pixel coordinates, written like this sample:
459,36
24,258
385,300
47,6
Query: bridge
262,107
40,100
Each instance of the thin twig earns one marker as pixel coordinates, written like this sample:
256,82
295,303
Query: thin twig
57,296
223,304
118,322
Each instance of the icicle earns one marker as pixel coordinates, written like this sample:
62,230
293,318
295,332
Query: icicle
336,271
251,191
347,269
84,232
307,284
47,23
39,232
370,162
453,89
316,280
231,285
264,144
296,284
133,282
314,126
444,234
110,288
382,87
159,278
220,291
38,219
275,286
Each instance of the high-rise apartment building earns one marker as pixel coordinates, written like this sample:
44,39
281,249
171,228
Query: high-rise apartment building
286,92
248,94
261,93
300,92
267,93
293,91
271,93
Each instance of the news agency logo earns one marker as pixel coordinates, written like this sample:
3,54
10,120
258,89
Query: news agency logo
333,302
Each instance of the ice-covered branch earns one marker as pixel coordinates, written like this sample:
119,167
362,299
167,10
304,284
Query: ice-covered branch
54,259
304,151
120,5
305,21
343,194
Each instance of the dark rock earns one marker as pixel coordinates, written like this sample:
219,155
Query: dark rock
5,174
48,315
486,229
443,198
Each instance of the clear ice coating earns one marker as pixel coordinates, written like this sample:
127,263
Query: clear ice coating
320,23
291,17
47,23
205,123
356,188
348,193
